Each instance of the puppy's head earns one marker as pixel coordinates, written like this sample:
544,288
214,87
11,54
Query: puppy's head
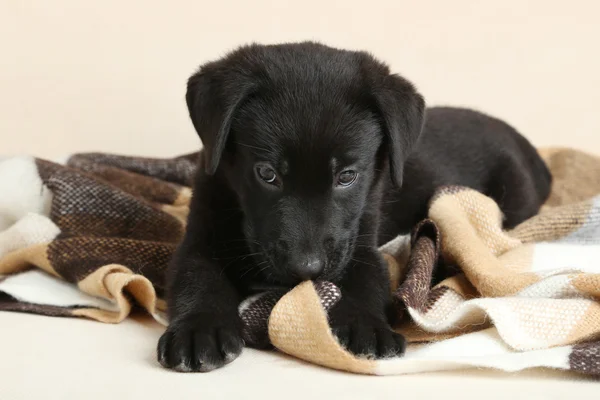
303,133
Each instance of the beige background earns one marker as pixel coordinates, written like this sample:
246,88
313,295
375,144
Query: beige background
110,75
77,75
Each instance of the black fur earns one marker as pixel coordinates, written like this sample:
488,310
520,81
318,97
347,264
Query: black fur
310,112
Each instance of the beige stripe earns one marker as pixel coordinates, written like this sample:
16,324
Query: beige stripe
461,286
519,259
574,173
94,283
469,225
396,272
23,259
588,326
184,197
137,285
161,305
553,223
298,326
108,317
413,333
179,212
587,284
112,282
484,216
547,152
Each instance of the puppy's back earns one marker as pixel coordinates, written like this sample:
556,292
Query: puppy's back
478,144
467,148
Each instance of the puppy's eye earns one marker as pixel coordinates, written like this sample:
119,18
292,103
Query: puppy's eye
266,173
346,178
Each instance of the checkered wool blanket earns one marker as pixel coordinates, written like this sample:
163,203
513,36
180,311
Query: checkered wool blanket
92,238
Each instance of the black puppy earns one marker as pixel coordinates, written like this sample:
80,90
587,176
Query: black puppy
313,157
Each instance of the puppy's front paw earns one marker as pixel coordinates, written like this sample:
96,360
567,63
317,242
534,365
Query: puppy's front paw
200,343
364,334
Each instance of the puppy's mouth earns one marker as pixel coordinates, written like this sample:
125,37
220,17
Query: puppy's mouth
269,272
261,287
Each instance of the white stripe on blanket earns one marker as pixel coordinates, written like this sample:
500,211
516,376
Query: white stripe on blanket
39,287
22,191
30,230
479,349
590,231
519,328
560,258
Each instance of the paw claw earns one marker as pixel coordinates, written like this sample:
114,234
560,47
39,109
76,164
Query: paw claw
183,367
195,345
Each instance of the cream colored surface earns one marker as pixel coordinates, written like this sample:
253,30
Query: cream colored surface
110,76
54,358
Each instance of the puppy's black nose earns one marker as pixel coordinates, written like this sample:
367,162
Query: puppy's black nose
310,268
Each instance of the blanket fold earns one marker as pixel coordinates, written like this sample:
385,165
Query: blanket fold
92,239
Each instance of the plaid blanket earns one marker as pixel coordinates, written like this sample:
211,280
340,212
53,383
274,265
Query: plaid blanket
92,238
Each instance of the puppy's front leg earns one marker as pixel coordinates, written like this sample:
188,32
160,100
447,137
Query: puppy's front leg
205,329
359,320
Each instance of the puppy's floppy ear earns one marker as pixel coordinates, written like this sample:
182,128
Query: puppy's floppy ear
212,97
402,112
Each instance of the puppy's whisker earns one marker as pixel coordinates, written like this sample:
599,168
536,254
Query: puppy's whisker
238,257
263,269
252,147
364,234
251,268
246,272
365,246
391,202
363,262
234,260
